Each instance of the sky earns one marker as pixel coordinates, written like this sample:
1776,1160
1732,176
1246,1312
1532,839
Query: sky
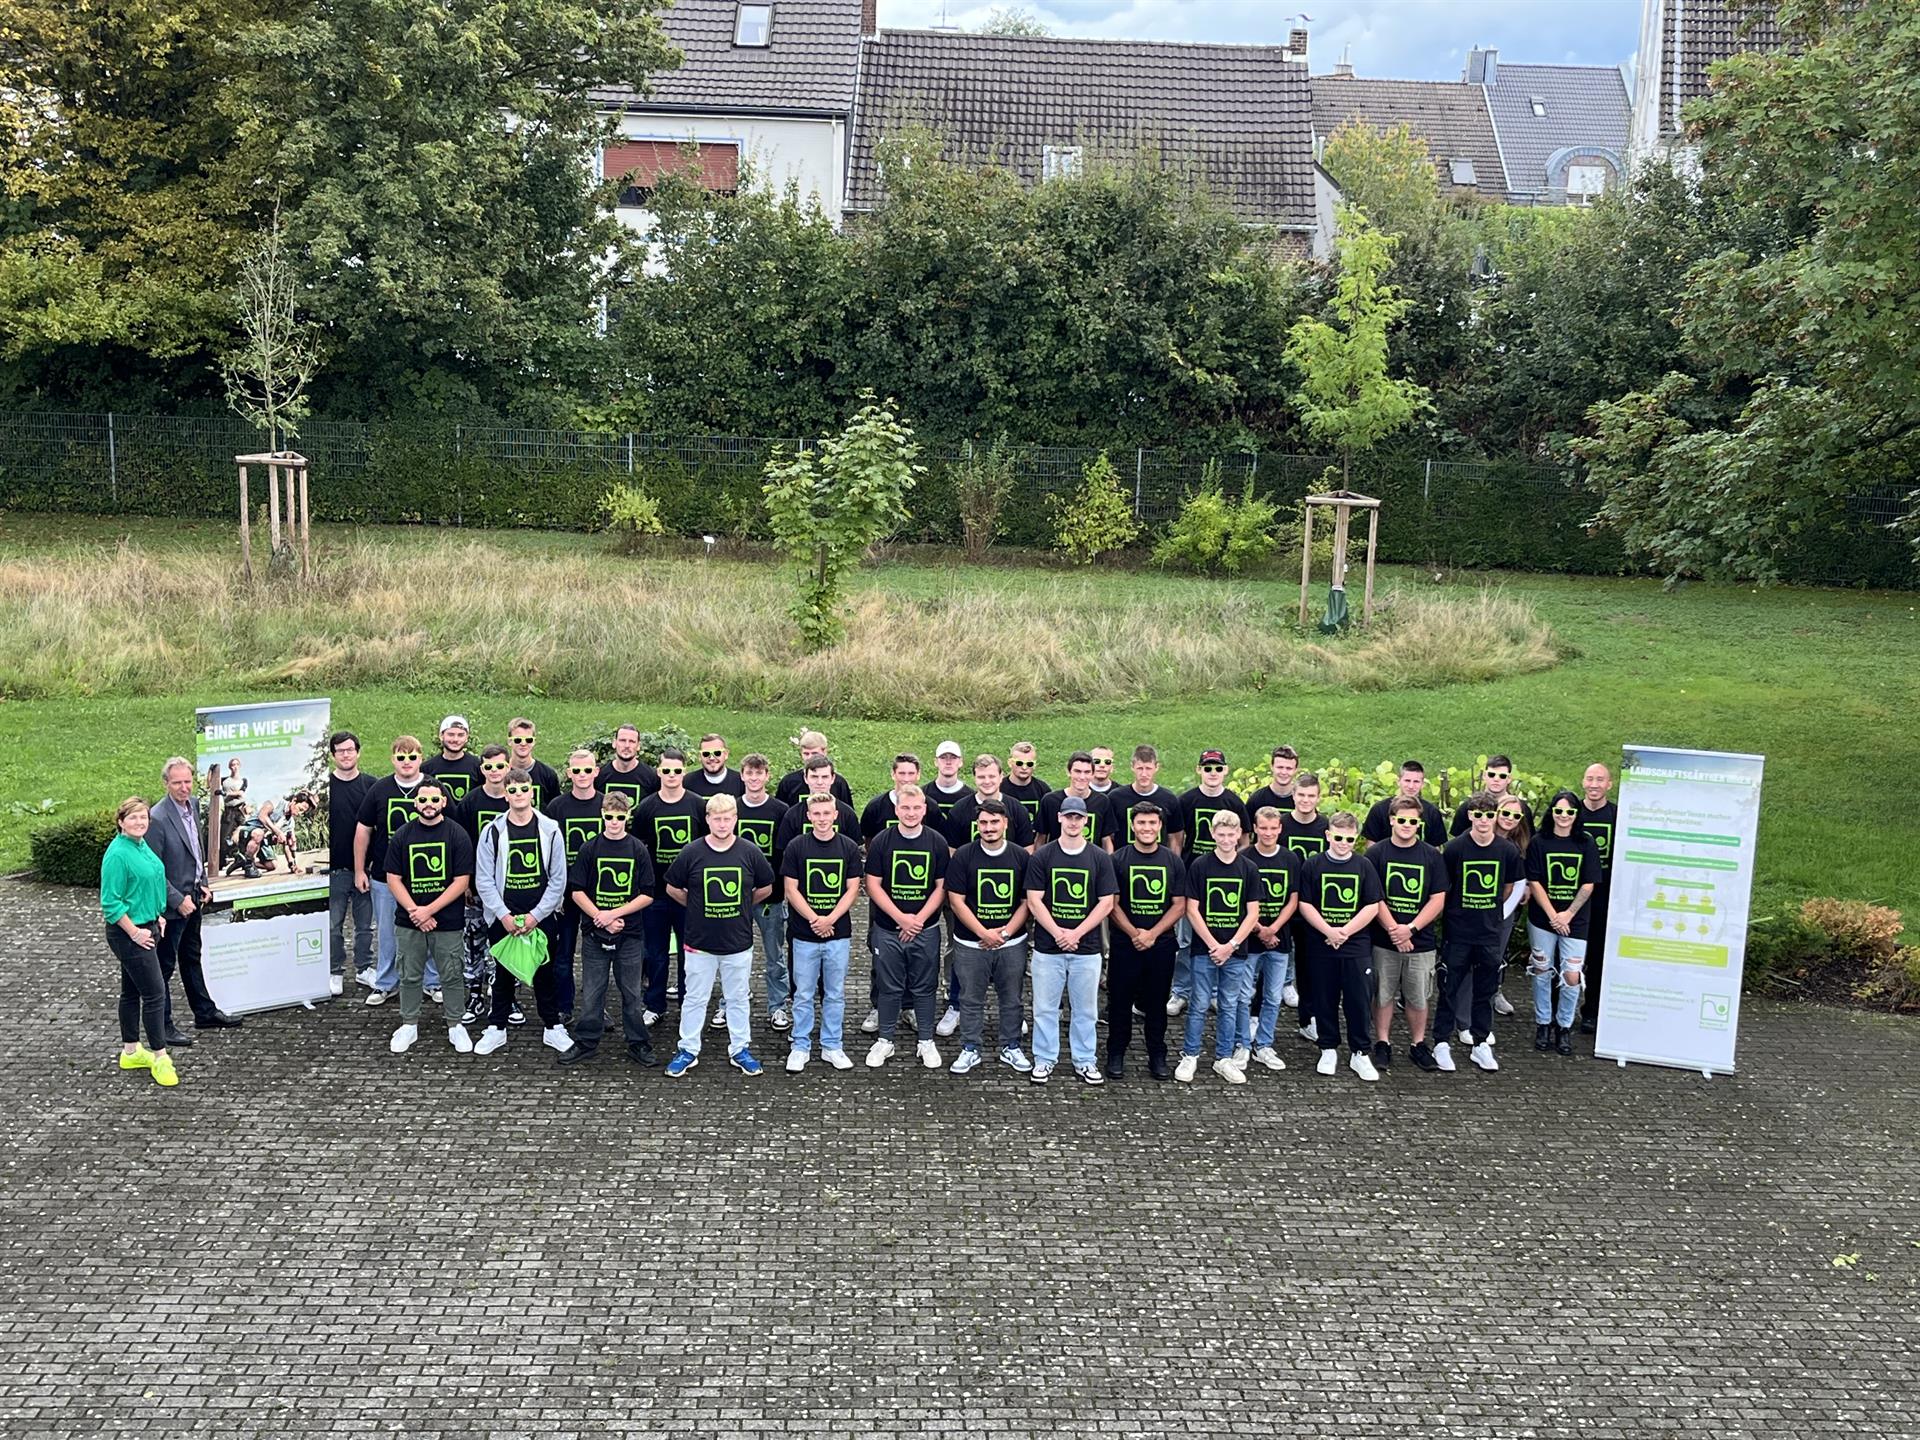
1400,39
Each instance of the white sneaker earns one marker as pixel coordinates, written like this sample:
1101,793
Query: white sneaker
838,1059
781,1019
1501,1005
719,1020
1014,1058
1443,1057
1329,1061
437,995
1188,1067
1482,1055
555,1037
1270,1058
458,1038
871,1025
949,1023
1229,1072
929,1054
1177,1005
1310,1031
968,1060
403,1039
336,984
881,1052
1465,1037
1290,997
649,1018
1362,1065
797,1061
366,977
491,1039
1040,1073
379,997
1241,1054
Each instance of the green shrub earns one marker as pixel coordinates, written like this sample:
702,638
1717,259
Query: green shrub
668,737
1782,950
68,851
1351,787
981,484
1214,535
1096,518
631,514
1894,981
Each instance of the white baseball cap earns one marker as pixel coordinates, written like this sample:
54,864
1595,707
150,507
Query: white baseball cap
948,747
452,720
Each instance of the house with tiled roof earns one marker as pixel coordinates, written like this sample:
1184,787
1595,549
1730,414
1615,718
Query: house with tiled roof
1237,117
1679,39
766,83
1450,115
1562,129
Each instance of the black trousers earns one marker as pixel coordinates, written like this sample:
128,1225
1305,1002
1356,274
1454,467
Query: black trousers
1330,983
546,989
1596,954
143,989
1469,976
1143,978
179,949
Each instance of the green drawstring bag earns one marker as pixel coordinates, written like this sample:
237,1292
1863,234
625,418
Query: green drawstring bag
522,954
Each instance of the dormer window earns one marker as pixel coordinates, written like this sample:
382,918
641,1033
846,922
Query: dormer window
1538,106
753,25
1060,162
1462,172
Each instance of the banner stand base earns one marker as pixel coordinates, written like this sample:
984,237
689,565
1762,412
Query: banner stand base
1622,1061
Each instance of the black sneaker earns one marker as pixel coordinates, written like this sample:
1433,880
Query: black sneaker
1587,1025
1563,1039
1543,1037
516,1016
641,1054
1158,1068
1423,1058
566,1017
1382,1055
1116,1067
573,1055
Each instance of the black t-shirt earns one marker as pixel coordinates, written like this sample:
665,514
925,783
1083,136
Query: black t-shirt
1306,838
793,785
795,823
611,872
727,782
823,868
546,782
459,776
1197,809
387,807
1071,886
963,822
579,820
1598,826
525,885
760,824
636,784
993,886
878,817
1410,876
666,827
1267,795
428,858
1224,889
1028,793
1378,825
1478,879
1122,801
344,799
940,803
720,886
1098,827
908,870
1562,865
1147,886
1339,890
1461,821
478,810
1279,881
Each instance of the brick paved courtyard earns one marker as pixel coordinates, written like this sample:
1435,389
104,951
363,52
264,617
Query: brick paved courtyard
311,1234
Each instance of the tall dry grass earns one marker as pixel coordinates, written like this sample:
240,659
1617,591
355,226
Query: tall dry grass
462,614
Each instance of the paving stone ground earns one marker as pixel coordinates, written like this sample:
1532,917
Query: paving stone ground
312,1235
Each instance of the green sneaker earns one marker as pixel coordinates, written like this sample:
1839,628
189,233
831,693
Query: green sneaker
140,1058
163,1071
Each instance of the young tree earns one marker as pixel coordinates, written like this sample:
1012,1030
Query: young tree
1014,20
267,373
1347,398
1388,173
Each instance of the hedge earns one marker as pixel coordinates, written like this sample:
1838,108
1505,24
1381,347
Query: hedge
68,851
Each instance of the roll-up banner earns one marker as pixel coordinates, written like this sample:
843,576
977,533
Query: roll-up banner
1677,917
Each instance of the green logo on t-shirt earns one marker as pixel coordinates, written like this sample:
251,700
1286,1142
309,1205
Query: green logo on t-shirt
580,829
483,817
823,882
456,783
994,898
1602,834
1147,889
1563,876
1406,886
523,862
671,833
1223,902
1070,897
1203,827
912,877
760,832
613,883
1339,897
722,890
427,867
399,811
1306,846
1479,884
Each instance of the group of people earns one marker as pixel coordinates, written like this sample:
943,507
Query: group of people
1200,906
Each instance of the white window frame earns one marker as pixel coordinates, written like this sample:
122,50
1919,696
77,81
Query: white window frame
1061,162
741,10
1462,167
1583,171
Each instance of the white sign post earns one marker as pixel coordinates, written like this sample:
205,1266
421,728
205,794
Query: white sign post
1677,919
261,964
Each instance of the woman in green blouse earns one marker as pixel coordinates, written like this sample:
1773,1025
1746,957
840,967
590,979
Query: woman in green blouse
133,893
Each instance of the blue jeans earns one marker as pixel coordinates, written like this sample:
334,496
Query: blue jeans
1545,948
661,923
1079,977
344,904
817,963
385,907
1228,982
624,956
1274,971
1182,958
772,920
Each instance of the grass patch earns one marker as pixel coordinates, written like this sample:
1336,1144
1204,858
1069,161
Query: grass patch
481,614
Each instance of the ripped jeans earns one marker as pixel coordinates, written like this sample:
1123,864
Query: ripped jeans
1545,949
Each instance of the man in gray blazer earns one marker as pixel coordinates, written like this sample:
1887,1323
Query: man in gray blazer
178,837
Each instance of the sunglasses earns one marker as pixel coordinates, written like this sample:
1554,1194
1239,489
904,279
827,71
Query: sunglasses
1408,821
583,769
614,817
1480,814
1511,814
1103,764
1213,769
666,774
1023,764
422,800
520,740
1564,810
520,789
1497,774
400,755
495,765
712,754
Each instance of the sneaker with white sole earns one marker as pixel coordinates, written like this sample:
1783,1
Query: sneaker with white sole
437,995
949,1022
1329,1062
1090,1073
379,997
1241,1054
1465,1037
929,1054
1290,997
1229,1072
1177,1005
967,1061
781,1019
1188,1067
403,1039
1014,1058
1040,1073
649,1018
336,984
1270,1058
879,1054
797,1060
458,1037
516,1016
1482,1055
871,1025
1501,1005
719,1020
1443,1057
555,1037
1310,1032
366,977
1362,1065
838,1059
491,1039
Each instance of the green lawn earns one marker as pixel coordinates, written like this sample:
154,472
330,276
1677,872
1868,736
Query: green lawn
1826,684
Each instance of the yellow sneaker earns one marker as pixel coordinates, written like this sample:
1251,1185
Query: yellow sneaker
163,1071
141,1058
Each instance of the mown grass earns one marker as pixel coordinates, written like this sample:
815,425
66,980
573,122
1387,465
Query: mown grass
1826,684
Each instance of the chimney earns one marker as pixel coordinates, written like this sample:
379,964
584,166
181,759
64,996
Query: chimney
1483,66
869,17
1297,44
1344,69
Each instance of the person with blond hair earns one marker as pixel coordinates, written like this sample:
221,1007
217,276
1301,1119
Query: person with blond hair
133,899
717,881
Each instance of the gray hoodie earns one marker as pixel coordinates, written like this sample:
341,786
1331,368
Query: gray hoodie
490,867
